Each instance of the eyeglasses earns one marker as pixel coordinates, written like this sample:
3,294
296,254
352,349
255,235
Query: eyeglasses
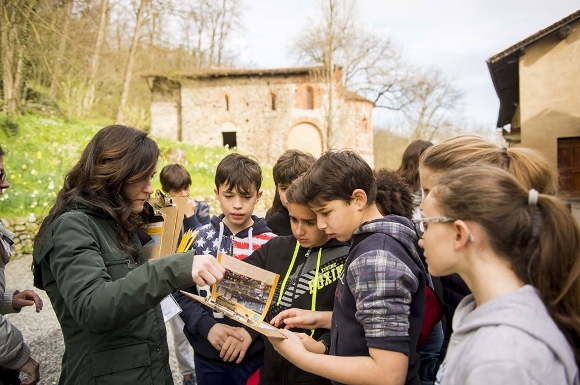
420,223
2,176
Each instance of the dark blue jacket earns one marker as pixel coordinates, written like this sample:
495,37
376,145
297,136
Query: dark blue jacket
213,238
384,270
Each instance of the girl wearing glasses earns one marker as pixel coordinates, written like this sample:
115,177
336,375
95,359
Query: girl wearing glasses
518,252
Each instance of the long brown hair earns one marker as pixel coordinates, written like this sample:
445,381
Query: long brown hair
409,168
526,164
117,155
540,240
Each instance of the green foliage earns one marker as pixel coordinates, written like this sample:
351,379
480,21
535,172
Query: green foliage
44,149
8,126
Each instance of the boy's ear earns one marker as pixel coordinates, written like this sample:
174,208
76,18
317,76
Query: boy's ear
259,195
216,192
359,198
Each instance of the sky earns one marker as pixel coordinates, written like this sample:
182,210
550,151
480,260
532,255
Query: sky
457,37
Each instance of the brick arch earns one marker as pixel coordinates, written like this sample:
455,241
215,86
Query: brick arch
307,137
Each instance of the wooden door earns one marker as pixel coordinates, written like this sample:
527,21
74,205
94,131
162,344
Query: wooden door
569,165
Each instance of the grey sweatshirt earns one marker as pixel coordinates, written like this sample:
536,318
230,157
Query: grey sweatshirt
509,340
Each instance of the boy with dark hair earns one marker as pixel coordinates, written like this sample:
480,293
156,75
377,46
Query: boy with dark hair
309,263
289,166
176,181
380,298
225,352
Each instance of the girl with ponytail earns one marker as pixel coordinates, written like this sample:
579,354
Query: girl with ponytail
518,251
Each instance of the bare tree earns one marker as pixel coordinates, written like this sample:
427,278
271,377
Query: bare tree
370,63
15,27
143,4
67,11
94,65
322,43
88,93
373,66
206,27
432,105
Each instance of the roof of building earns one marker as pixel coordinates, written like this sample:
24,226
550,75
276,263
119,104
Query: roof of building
236,72
504,68
348,95
204,73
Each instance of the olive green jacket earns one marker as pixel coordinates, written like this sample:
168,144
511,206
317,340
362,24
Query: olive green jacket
107,304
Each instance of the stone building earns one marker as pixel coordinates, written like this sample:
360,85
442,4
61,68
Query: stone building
537,81
261,112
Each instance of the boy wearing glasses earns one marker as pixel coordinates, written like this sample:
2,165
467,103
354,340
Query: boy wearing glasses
380,298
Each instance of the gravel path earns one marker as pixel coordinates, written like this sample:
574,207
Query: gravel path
42,331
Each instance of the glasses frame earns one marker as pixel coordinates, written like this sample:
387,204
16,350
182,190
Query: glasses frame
420,229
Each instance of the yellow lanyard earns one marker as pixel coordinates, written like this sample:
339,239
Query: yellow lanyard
313,305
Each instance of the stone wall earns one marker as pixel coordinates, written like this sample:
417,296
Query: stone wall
24,229
261,110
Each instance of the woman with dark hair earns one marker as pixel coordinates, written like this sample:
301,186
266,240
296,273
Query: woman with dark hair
409,168
88,256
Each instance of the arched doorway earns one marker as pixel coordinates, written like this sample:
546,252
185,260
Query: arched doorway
305,137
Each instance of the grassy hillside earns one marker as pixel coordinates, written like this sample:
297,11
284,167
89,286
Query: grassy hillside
41,150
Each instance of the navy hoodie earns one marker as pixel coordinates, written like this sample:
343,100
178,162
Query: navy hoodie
199,319
385,271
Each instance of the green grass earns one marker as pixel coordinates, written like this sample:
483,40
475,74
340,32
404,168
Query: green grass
41,150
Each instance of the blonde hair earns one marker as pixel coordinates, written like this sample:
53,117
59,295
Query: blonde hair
528,166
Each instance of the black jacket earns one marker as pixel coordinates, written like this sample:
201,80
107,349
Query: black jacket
279,223
276,256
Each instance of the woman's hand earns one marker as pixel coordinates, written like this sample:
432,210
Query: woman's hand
206,270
